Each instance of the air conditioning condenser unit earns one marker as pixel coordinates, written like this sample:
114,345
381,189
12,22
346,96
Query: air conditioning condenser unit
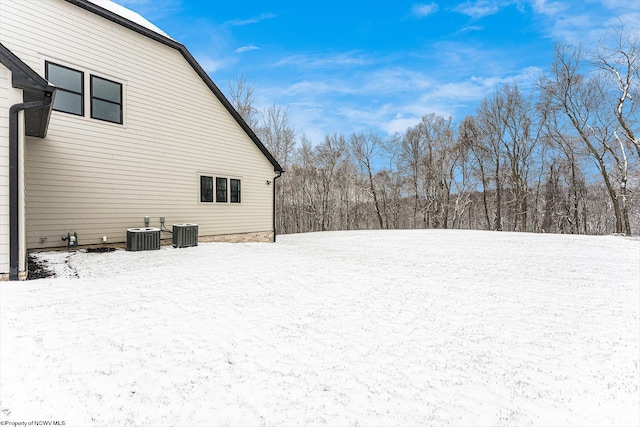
185,235
143,239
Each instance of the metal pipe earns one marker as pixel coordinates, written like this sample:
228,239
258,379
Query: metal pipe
14,181
274,205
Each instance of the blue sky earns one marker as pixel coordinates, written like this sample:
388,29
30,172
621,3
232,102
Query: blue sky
349,66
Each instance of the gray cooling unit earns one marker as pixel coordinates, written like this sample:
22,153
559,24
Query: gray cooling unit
185,235
143,239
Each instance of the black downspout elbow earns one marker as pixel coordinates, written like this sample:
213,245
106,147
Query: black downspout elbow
14,178
274,205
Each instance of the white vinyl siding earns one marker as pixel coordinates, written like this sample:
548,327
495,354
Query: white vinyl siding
8,97
100,178
5,84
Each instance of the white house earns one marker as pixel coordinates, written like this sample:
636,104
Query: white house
106,120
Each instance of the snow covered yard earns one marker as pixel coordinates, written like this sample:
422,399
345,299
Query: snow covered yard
344,328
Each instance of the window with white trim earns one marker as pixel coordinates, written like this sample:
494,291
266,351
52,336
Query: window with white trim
234,190
219,189
206,189
106,100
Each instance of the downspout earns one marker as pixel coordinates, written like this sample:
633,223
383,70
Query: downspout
14,178
274,205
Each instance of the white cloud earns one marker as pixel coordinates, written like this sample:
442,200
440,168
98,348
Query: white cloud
400,124
367,82
325,61
459,56
312,120
247,48
585,22
622,5
394,80
312,88
254,20
468,90
409,114
211,65
477,87
365,116
548,8
422,10
478,9
388,99
470,29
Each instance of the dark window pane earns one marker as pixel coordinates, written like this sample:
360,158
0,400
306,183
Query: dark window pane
106,100
106,90
105,111
221,190
64,78
70,93
235,190
68,102
206,189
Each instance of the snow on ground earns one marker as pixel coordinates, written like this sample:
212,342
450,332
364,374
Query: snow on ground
342,328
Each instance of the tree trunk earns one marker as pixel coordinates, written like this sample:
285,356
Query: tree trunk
497,225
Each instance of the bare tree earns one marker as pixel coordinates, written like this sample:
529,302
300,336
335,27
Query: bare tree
302,194
469,135
391,181
583,100
620,62
492,126
276,133
441,154
278,136
463,179
566,164
565,160
328,157
412,152
522,133
364,148
243,100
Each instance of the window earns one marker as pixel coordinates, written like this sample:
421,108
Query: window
235,190
226,190
206,189
106,95
70,88
221,190
106,100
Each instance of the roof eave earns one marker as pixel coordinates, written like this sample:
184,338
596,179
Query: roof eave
34,88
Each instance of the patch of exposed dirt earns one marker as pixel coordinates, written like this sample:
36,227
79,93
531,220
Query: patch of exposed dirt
38,269
101,250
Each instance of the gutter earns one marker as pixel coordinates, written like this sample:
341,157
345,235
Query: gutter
274,204
14,181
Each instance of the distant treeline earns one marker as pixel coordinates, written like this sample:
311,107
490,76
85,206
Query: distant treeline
562,158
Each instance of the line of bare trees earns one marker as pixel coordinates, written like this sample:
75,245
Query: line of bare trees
562,158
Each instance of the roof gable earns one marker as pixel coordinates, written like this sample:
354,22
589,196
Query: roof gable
152,33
